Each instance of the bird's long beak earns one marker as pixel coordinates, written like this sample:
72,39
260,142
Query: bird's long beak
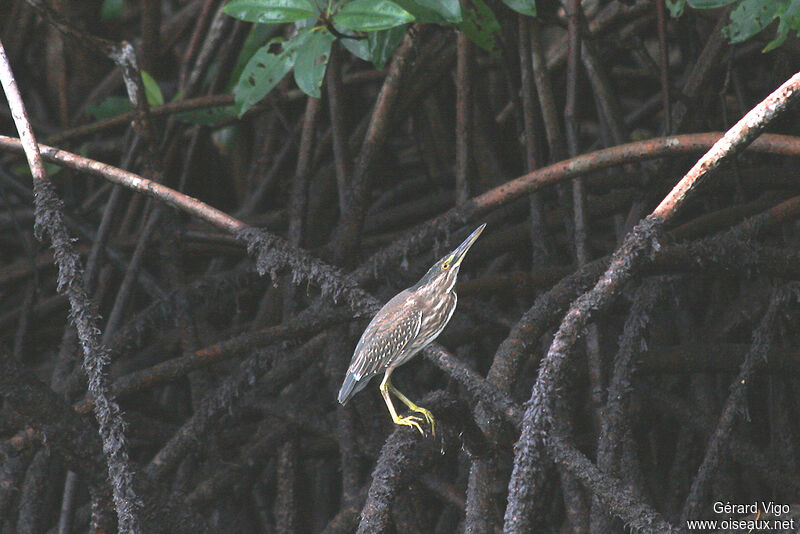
461,251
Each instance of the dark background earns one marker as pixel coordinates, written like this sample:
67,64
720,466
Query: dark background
682,391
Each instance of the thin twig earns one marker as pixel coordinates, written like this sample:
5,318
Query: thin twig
49,222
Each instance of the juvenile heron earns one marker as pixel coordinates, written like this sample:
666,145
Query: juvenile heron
404,326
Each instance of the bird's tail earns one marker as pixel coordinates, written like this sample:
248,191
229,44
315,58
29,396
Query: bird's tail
348,388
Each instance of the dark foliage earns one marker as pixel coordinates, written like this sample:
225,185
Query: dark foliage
605,369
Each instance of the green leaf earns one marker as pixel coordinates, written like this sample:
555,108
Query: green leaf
750,17
378,47
790,20
112,9
151,90
526,7
481,26
676,7
265,69
383,44
357,47
311,62
258,37
270,10
709,4
113,106
448,10
208,116
263,72
371,15
424,14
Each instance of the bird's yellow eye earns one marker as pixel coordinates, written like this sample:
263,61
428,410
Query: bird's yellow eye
445,265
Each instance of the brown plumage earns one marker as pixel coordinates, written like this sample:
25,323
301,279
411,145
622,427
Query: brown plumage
404,326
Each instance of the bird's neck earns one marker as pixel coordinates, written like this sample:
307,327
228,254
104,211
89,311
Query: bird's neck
434,288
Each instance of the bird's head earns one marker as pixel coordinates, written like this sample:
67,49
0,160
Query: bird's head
444,272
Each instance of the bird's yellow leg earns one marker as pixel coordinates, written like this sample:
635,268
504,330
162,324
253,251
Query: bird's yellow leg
409,420
413,407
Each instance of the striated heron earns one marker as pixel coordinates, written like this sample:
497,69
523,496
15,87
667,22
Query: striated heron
404,326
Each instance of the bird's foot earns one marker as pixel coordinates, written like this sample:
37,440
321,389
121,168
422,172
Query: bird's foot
410,420
428,417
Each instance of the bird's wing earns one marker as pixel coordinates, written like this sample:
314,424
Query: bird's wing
389,332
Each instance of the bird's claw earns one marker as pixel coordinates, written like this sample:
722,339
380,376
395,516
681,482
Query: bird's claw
415,420
428,417
412,421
